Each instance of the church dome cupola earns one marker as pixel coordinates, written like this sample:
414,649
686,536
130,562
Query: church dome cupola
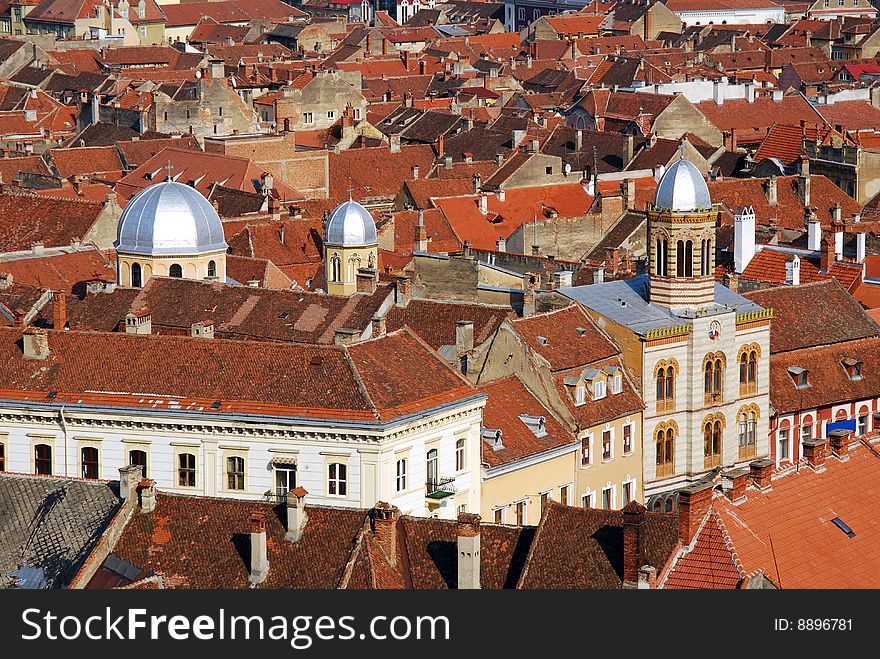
169,218
682,189
350,225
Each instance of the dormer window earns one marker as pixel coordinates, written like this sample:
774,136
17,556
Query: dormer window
853,368
801,376
598,389
581,394
616,383
493,437
543,340
537,424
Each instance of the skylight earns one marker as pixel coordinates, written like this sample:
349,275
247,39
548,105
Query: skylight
839,523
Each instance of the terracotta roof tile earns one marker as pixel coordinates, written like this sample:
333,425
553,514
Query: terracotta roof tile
709,564
566,347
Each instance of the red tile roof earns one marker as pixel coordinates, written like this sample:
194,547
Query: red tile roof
26,219
435,321
710,564
768,267
100,161
752,120
64,271
227,11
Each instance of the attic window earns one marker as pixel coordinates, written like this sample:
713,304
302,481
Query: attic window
493,437
599,389
581,331
283,315
839,523
543,340
853,368
537,424
801,376
215,405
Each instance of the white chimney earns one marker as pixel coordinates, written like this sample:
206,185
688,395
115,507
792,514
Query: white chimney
814,234
860,247
744,237
259,554
296,513
484,203
838,244
718,92
468,551
793,271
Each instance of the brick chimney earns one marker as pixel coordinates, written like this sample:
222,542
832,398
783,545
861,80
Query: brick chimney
296,513
59,310
35,343
814,452
468,531
367,280
633,543
259,553
379,327
345,336
827,256
403,291
441,145
147,493
693,504
421,234
738,480
840,440
761,472
384,520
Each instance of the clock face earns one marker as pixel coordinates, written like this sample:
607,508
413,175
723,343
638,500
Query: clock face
714,330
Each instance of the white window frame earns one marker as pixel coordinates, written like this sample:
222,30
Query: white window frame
611,443
589,438
461,454
338,480
241,455
600,389
331,114
566,486
503,510
632,438
400,475
588,498
617,382
580,396
632,483
613,499
525,505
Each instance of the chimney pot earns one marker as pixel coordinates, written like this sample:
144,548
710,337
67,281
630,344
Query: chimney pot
761,472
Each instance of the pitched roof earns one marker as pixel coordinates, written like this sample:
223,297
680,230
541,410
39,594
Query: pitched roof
435,321
26,219
63,270
709,564
751,120
88,160
768,266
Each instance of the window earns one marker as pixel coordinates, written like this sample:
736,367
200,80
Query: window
665,445
520,509
136,276
563,495
138,457
337,479
661,263
607,452
587,500
462,509
432,467
616,383
400,478
806,429
863,421
548,171
331,114
285,479
235,473
89,457
499,515
175,270
627,439
586,453
748,429
783,452
2,457
357,113
43,459
665,380
580,396
748,370
459,455
308,118
598,389
186,470
212,268
712,444
706,257
608,498
684,255
853,369
545,500
335,268
713,376
143,33
627,492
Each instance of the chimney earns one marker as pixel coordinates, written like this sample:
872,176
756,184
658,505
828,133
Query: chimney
627,149
827,256
447,162
484,203
384,520
772,196
296,513
814,233
629,194
203,329
464,336
441,145
793,271
468,528
501,244
860,247
693,504
837,228
403,291
139,322
367,280
5,280
468,157
478,183
840,440
744,236
634,549
147,492
378,326
803,183
259,554
345,336
394,143
129,477
814,452
499,159
59,310
738,480
760,472
35,342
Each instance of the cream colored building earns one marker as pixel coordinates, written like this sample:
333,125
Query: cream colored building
169,229
700,350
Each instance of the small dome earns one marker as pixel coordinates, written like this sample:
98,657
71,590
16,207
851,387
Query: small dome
350,225
682,189
169,218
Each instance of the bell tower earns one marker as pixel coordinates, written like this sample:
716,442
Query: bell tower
681,239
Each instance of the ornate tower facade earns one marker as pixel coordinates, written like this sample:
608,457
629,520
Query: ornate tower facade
350,247
681,245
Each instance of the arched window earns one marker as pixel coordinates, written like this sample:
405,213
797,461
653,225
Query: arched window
713,377
136,276
337,479
712,431
688,258
371,261
335,268
661,267
708,258
748,369
747,422
665,447
138,458
432,469
89,462
212,268
665,383
175,270
679,259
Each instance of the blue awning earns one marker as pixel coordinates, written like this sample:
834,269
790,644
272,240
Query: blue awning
849,424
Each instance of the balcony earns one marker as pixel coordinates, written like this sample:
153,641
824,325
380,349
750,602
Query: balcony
440,488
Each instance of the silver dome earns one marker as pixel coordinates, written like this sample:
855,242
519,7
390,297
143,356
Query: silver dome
169,218
350,225
682,189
